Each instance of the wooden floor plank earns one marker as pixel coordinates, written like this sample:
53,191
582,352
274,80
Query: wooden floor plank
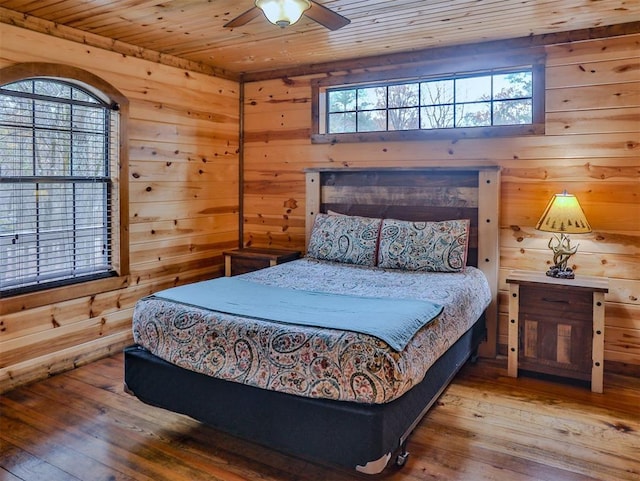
7,476
60,429
56,451
520,452
82,425
24,465
109,417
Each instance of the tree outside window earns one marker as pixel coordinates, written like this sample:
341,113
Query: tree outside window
497,98
57,147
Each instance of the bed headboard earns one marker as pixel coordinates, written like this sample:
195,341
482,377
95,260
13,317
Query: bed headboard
426,194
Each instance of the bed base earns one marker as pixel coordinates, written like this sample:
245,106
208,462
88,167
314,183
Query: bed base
344,434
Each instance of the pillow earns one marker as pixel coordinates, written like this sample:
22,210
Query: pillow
343,238
424,246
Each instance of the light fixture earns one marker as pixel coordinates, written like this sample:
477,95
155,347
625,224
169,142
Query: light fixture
283,12
563,215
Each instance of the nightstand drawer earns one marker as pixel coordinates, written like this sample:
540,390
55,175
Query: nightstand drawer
240,265
249,259
557,302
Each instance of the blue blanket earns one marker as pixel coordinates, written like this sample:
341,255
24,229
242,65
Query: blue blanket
395,321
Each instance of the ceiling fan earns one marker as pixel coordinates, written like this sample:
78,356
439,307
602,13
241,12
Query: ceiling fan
287,12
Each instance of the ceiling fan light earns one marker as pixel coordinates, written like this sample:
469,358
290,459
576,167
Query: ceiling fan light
283,12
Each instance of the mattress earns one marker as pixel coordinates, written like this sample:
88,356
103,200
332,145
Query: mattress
311,361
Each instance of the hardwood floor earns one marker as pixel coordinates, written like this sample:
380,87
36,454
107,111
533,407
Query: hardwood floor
81,425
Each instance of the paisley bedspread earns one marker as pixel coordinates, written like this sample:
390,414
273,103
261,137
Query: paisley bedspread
309,361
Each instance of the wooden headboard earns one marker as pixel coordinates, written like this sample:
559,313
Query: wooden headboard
426,194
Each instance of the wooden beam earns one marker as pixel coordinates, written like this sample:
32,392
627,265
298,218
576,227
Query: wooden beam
489,250
312,202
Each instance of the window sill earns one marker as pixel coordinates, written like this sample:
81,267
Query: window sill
439,134
52,296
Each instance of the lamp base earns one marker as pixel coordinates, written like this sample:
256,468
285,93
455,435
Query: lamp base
560,272
562,251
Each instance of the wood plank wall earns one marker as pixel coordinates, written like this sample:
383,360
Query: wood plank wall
183,201
591,148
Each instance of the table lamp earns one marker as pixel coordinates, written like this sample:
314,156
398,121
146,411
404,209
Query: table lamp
563,215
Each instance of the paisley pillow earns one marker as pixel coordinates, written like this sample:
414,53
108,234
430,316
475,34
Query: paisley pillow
424,246
342,238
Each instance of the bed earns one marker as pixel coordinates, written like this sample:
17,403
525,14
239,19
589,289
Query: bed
344,397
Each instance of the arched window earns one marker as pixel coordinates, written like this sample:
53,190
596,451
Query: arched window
59,181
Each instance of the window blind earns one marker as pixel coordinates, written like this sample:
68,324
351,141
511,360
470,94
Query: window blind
56,157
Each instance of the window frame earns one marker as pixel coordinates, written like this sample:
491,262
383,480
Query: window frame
440,69
120,212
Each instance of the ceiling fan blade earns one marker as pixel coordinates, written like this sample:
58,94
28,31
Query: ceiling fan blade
326,17
244,18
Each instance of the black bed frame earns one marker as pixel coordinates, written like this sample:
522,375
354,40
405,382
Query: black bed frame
338,433
357,436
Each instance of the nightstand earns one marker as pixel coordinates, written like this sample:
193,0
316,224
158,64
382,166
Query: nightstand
556,326
249,259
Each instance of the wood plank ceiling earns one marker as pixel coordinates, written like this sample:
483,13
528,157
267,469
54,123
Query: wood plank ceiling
193,29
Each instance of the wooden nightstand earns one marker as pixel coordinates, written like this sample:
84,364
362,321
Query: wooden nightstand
556,326
249,259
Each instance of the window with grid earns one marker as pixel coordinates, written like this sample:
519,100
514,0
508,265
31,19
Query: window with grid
486,99
448,94
58,150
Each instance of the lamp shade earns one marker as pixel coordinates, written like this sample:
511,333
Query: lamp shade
564,214
283,12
